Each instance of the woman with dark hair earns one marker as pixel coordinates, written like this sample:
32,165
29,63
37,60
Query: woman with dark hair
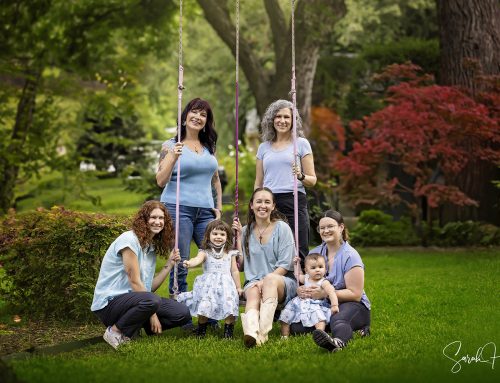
345,271
123,298
199,172
276,166
267,249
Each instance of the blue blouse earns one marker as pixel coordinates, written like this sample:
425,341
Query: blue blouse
197,171
113,280
346,258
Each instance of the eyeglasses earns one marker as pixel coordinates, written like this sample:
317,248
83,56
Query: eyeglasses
324,228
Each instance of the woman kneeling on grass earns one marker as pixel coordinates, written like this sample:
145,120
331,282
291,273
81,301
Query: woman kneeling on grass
345,271
268,249
123,300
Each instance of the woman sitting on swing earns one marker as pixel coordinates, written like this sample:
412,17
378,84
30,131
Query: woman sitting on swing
267,252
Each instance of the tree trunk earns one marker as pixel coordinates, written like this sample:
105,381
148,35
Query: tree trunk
12,162
314,21
470,47
469,41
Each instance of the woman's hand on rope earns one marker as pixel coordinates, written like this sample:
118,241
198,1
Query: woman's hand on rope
297,171
296,260
155,324
237,226
175,257
177,149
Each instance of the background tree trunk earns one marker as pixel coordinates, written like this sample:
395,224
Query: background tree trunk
470,47
314,21
469,40
10,164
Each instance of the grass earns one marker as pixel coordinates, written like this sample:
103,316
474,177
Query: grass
52,190
422,301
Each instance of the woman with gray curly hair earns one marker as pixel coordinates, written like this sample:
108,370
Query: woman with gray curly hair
276,166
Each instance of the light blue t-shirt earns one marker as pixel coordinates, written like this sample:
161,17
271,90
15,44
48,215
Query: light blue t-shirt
197,171
264,259
113,280
277,165
346,258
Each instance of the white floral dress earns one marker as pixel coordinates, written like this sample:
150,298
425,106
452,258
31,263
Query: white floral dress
308,311
214,293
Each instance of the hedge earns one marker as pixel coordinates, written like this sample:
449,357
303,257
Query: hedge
376,228
52,258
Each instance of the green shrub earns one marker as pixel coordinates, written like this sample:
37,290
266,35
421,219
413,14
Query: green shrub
52,258
375,228
424,53
468,233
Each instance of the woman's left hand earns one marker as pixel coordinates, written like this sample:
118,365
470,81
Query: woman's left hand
259,285
218,213
155,324
296,170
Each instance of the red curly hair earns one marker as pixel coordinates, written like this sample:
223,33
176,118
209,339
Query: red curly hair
164,239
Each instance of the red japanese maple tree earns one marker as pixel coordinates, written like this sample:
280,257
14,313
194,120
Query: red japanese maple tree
429,133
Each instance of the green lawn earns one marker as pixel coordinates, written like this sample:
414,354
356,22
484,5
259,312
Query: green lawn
422,301
52,190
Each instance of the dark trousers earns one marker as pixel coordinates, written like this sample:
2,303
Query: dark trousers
284,203
131,311
352,316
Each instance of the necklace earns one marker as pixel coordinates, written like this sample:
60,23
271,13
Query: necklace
217,255
193,146
261,232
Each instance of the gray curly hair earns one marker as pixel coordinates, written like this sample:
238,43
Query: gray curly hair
267,123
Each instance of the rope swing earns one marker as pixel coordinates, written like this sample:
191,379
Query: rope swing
180,87
293,93
236,134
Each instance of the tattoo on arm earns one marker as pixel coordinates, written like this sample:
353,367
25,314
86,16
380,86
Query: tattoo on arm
163,154
215,178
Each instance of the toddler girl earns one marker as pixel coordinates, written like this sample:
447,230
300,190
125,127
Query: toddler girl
310,312
216,292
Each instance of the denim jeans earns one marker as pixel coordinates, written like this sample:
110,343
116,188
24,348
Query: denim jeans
131,311
352,316
192,225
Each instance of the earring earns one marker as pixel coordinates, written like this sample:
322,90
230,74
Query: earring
184,123
204,129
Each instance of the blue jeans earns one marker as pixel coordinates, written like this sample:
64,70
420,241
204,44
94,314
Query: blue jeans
131,311
192,225
352,316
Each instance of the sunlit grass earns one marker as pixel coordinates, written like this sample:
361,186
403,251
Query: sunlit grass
422,300
110,192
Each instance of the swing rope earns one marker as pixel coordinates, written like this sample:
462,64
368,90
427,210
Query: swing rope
236,134
293,92
180,87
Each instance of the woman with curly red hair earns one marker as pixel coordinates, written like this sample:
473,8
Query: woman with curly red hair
123,297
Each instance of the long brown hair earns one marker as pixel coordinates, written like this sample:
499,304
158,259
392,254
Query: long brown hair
275,216
208,135
218,224
164,239
335,215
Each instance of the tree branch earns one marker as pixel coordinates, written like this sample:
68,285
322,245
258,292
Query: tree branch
218,17
278,27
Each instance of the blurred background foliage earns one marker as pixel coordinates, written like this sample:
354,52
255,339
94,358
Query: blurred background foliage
95,83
